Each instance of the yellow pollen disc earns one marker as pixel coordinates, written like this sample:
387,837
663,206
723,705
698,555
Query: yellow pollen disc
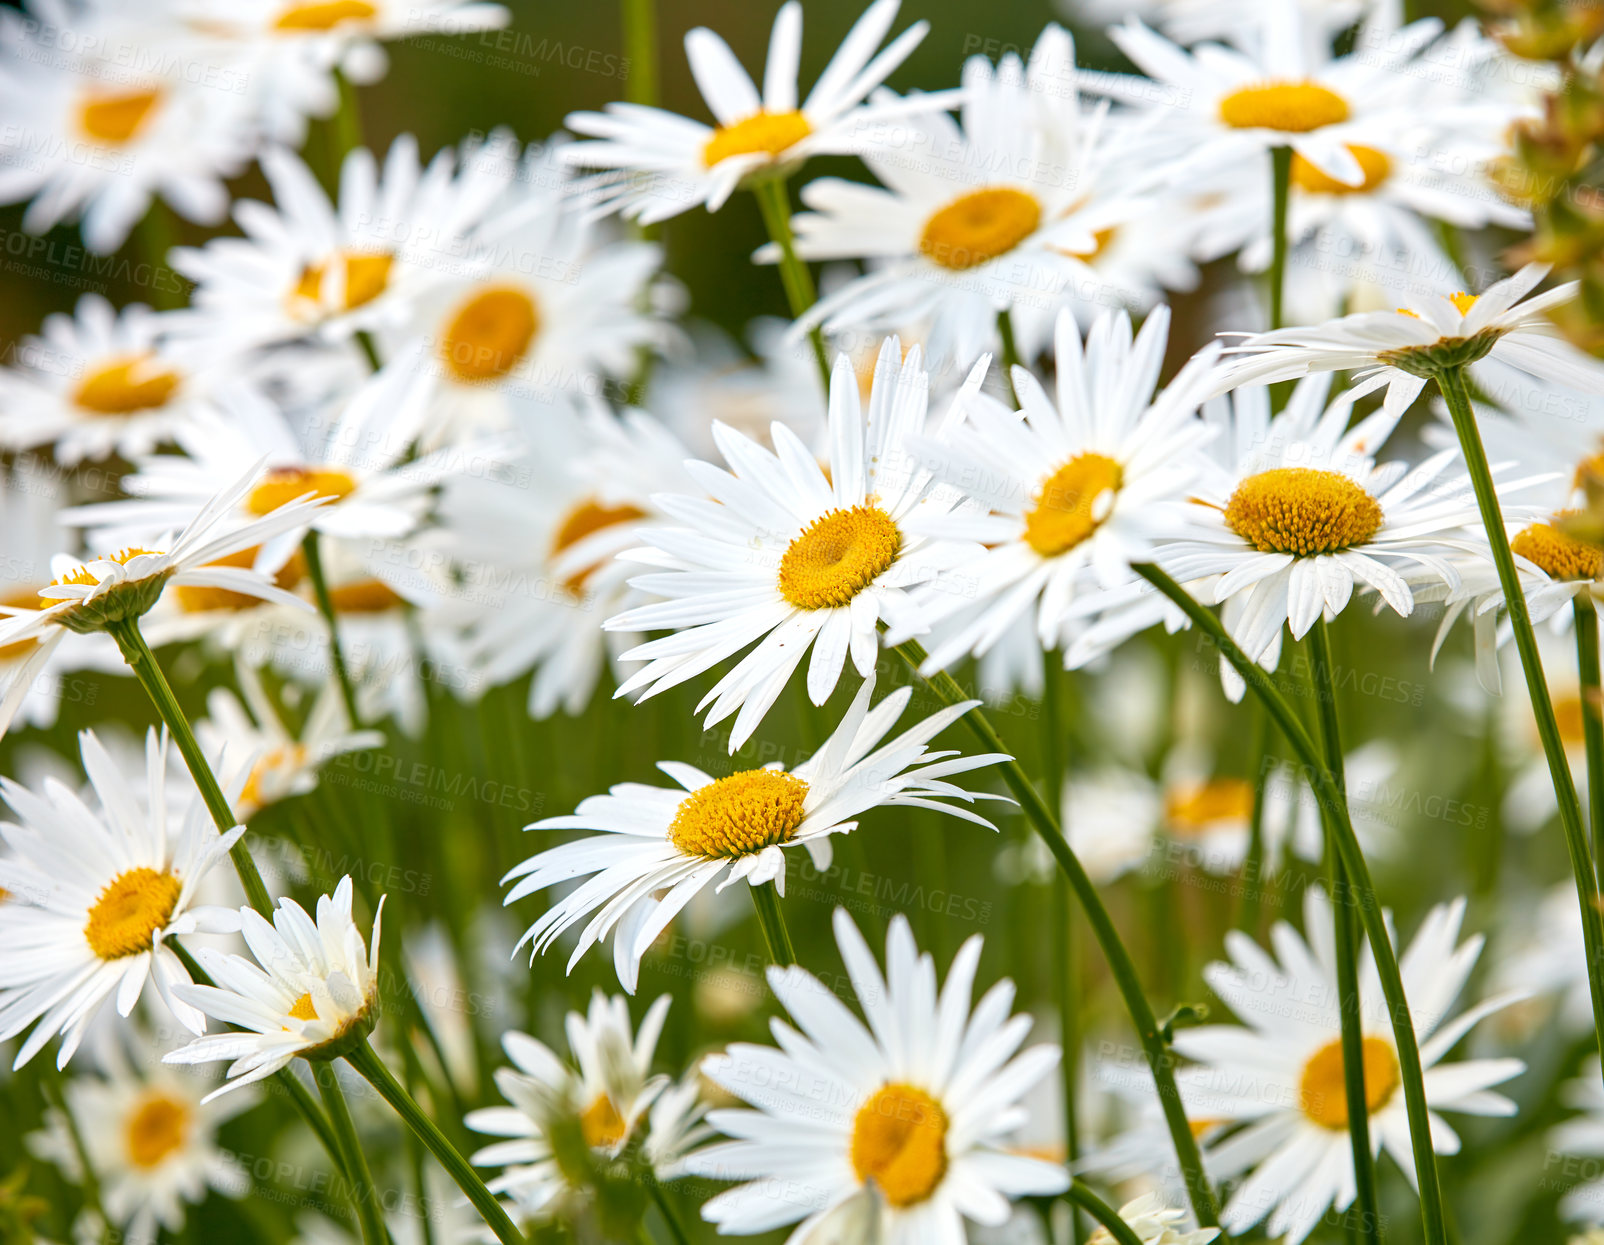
198,599
837,556
364,596
1198,806
899,1140
284,484
976,228
489,334
1293,107
158,1126
1569,716
1376,165
585,519
764,133
601,1124
1068,506
302,1008
739,814
274,760
117,117
1558,552
366,277
324,16
1302,511
1463,302
1323,1093
23,598
84,579
129,911
125,386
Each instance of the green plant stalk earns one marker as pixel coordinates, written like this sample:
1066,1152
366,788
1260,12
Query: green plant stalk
778,939
131,643
347,122
1451,382
1121,967
640,45
1281,195
1079,1195
88,1180
1010,351
1586,615
1252,881
1364,893
774,201
675,1230
1323,681
311,547
366,1061
363,1194
157,238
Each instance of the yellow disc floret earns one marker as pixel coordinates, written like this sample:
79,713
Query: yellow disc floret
837,556
284,484
489,334
1071,503
125,386
117,117
325,15
158,1126
1310,178
601,1125
977,227
1323,1092
765,133
739,815
1557,552
899,1140
129,911
1292,107
1302,511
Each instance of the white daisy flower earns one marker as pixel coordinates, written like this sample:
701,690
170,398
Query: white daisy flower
87,596
151,1145
92,893
1542,952
898,1125
780,552
1065,495
1109,817
1155,1223
1582,1136
96,383
1192,21
660,846
1280,1075
1399,349
662,164
312,992
611,1094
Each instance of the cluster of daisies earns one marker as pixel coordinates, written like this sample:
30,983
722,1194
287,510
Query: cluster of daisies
446,424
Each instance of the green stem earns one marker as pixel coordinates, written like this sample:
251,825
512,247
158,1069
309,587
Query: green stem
1053,757
1323,680
1252,882
156,238
767,902
131,642
640,45
347,122
1451,381
1586,615
1281,188
363,1058
311,547
363,1193
1101,1211
774,201
1121,967
667,1212
1010,351
1363,891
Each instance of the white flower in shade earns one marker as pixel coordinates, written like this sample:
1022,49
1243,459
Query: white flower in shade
96,383
1109,817
1280,1074
660,846
610,1095
1582,1136
661,164
1292,825
899,1125
1398,350
110,589
1542,951
91,893
312,990
1002,212
1155,1223
151,1144
781,553
1191,21
1303,514
1067,494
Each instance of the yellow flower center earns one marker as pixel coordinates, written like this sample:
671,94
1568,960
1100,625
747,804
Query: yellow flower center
158,1126
1323,1092
285,757
1308,177
899,1140
739,814
837,556
366,277
1570,716
1101,241
199,599
1196,807
489,334
126,385
1559,553
1069,505
364,596
1294,107
601,1124
117,117
302,1008
585,519
976,228
129,911
282,485
764,133
85,579
1302,511
1463,302
324,16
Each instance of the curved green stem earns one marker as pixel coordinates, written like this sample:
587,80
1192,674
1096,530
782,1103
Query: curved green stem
1586,616
767,902
1323,679
640,45
131,643
774,201
1010,351
1101,1211
1451,381
1281,187
364,1059
675,1230
1121,967
1053,750
313,550
1252,881
363,1194
1363,891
